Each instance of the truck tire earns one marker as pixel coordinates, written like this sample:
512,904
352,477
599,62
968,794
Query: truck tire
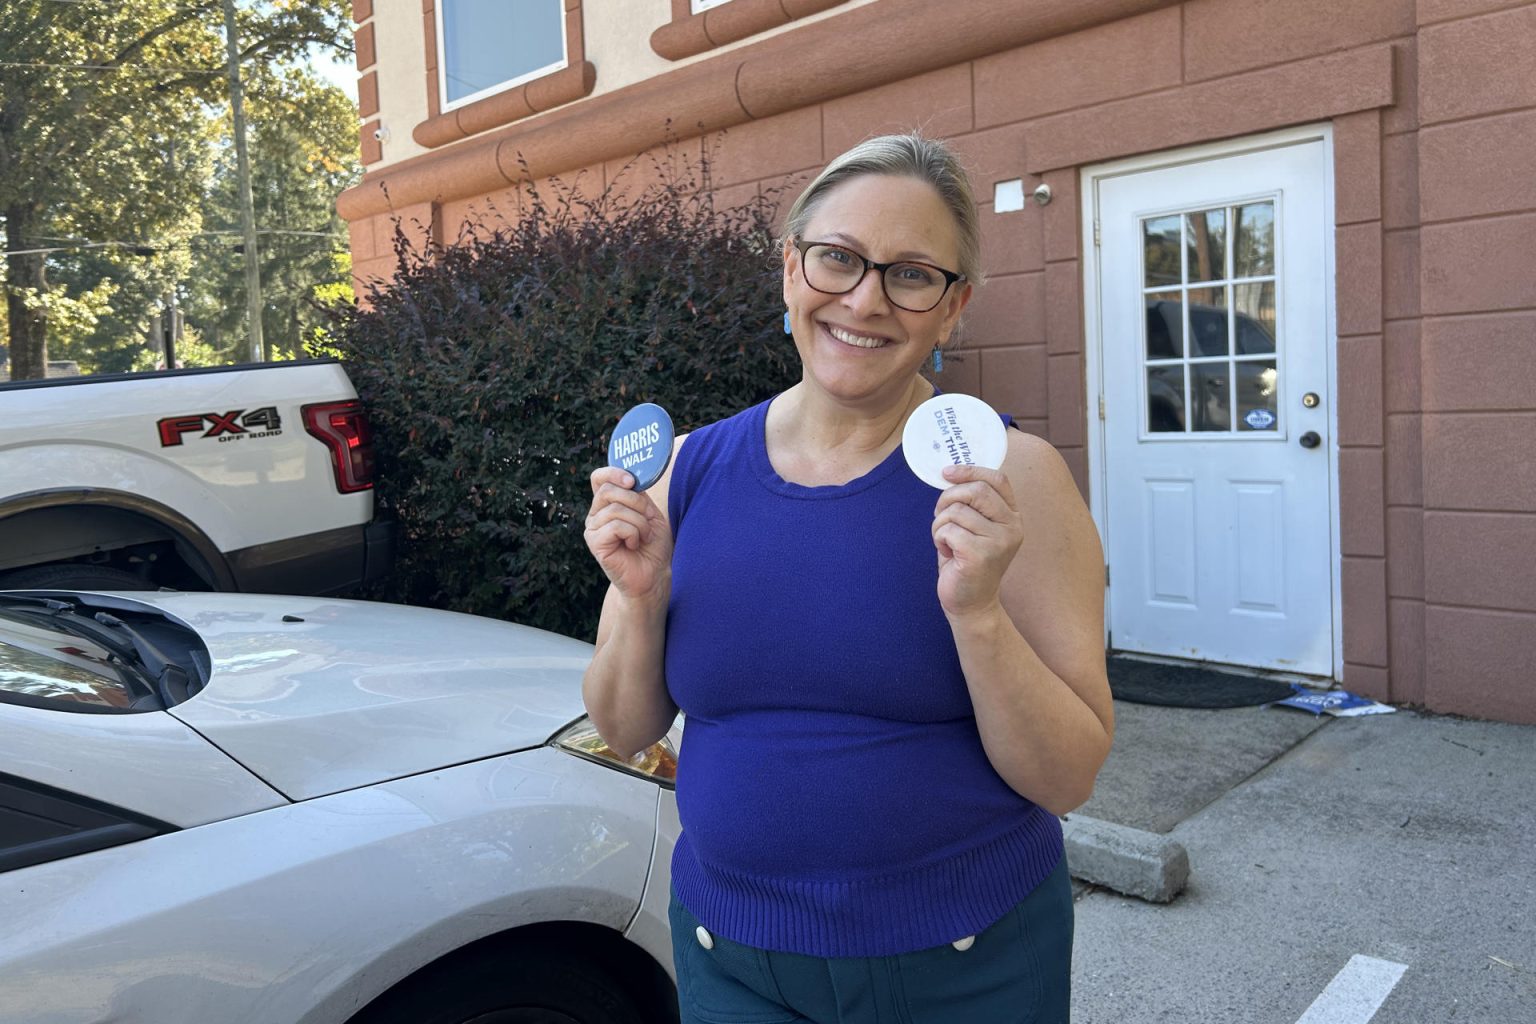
73,576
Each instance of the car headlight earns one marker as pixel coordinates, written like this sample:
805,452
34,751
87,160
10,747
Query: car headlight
658,762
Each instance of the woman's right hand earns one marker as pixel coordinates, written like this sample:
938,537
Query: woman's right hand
629,536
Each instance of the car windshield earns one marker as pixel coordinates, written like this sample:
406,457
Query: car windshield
42,664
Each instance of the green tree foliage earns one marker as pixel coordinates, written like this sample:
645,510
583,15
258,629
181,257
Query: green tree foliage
108,112
135,283
303,145
191,351
494,371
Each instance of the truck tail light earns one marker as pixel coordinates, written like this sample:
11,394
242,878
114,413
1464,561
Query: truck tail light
343,428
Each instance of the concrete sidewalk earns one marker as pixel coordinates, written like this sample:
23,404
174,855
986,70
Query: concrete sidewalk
1319,850
1168,763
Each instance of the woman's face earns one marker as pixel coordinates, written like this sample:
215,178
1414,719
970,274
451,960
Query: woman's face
858,345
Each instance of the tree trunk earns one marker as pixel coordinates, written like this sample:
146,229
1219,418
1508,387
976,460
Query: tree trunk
28,327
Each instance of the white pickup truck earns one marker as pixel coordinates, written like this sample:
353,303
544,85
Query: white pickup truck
254,478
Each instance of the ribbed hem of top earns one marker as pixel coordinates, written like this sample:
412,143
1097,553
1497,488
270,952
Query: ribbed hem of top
879,916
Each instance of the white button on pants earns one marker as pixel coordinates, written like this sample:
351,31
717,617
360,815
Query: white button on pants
705,939
964,944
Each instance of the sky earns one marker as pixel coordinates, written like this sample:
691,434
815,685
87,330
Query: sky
341,72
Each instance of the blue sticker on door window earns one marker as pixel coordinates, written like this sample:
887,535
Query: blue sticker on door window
1260,419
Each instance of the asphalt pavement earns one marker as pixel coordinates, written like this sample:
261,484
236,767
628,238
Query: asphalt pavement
1377,869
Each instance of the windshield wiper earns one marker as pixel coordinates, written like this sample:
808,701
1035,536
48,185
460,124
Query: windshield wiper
129,649
170,678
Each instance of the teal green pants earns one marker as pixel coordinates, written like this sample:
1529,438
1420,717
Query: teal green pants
1017,971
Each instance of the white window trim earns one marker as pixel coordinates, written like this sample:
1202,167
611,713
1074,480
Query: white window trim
445,105
700,6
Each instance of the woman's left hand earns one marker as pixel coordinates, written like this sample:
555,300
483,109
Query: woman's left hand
977,530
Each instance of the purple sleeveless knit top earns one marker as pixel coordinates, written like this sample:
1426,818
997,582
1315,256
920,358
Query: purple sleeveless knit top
833,790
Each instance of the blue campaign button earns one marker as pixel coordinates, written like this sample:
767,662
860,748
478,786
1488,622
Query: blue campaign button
642,444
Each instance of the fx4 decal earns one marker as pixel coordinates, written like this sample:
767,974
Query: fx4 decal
229,426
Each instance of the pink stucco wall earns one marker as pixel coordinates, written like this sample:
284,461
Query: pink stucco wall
1433,106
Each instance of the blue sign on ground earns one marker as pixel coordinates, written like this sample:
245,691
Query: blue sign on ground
642,444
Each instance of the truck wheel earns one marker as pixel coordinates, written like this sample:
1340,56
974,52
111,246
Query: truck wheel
73,576
507,989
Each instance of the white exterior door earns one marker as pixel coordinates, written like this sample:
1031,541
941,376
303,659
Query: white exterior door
1214,331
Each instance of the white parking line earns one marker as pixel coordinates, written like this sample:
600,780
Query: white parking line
1355,993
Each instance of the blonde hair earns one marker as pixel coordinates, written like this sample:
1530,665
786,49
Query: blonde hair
907,156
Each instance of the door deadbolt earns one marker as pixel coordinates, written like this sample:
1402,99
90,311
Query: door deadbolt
1310,399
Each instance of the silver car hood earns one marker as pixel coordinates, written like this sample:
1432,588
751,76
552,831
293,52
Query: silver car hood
357,693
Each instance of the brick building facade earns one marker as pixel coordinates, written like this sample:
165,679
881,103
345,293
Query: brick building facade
1313,453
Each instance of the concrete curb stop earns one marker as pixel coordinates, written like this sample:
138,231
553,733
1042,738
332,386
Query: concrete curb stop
1128,860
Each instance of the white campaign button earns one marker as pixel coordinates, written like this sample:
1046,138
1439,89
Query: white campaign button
952,430
705,939
964,944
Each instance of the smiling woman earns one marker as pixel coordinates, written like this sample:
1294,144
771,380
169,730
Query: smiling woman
892,690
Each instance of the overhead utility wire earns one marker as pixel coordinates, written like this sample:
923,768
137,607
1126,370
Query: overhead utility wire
156,69
194,9
162,245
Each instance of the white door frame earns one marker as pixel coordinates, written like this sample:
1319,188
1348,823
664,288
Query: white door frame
1094,340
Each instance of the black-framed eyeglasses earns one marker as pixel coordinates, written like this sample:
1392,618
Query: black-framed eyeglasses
909,285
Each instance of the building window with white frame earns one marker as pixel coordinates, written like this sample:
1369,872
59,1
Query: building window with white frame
486,46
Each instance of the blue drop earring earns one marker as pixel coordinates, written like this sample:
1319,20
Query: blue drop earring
787,329
938,360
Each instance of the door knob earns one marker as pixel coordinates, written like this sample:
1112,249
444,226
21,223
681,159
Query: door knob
1310,439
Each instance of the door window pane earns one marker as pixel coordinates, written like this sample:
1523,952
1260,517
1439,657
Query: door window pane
1253,254
1255,319
1210,295
1165,399
1160,243
1210,388
1257,388
492,43
1165,328
1207,235
1208,322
